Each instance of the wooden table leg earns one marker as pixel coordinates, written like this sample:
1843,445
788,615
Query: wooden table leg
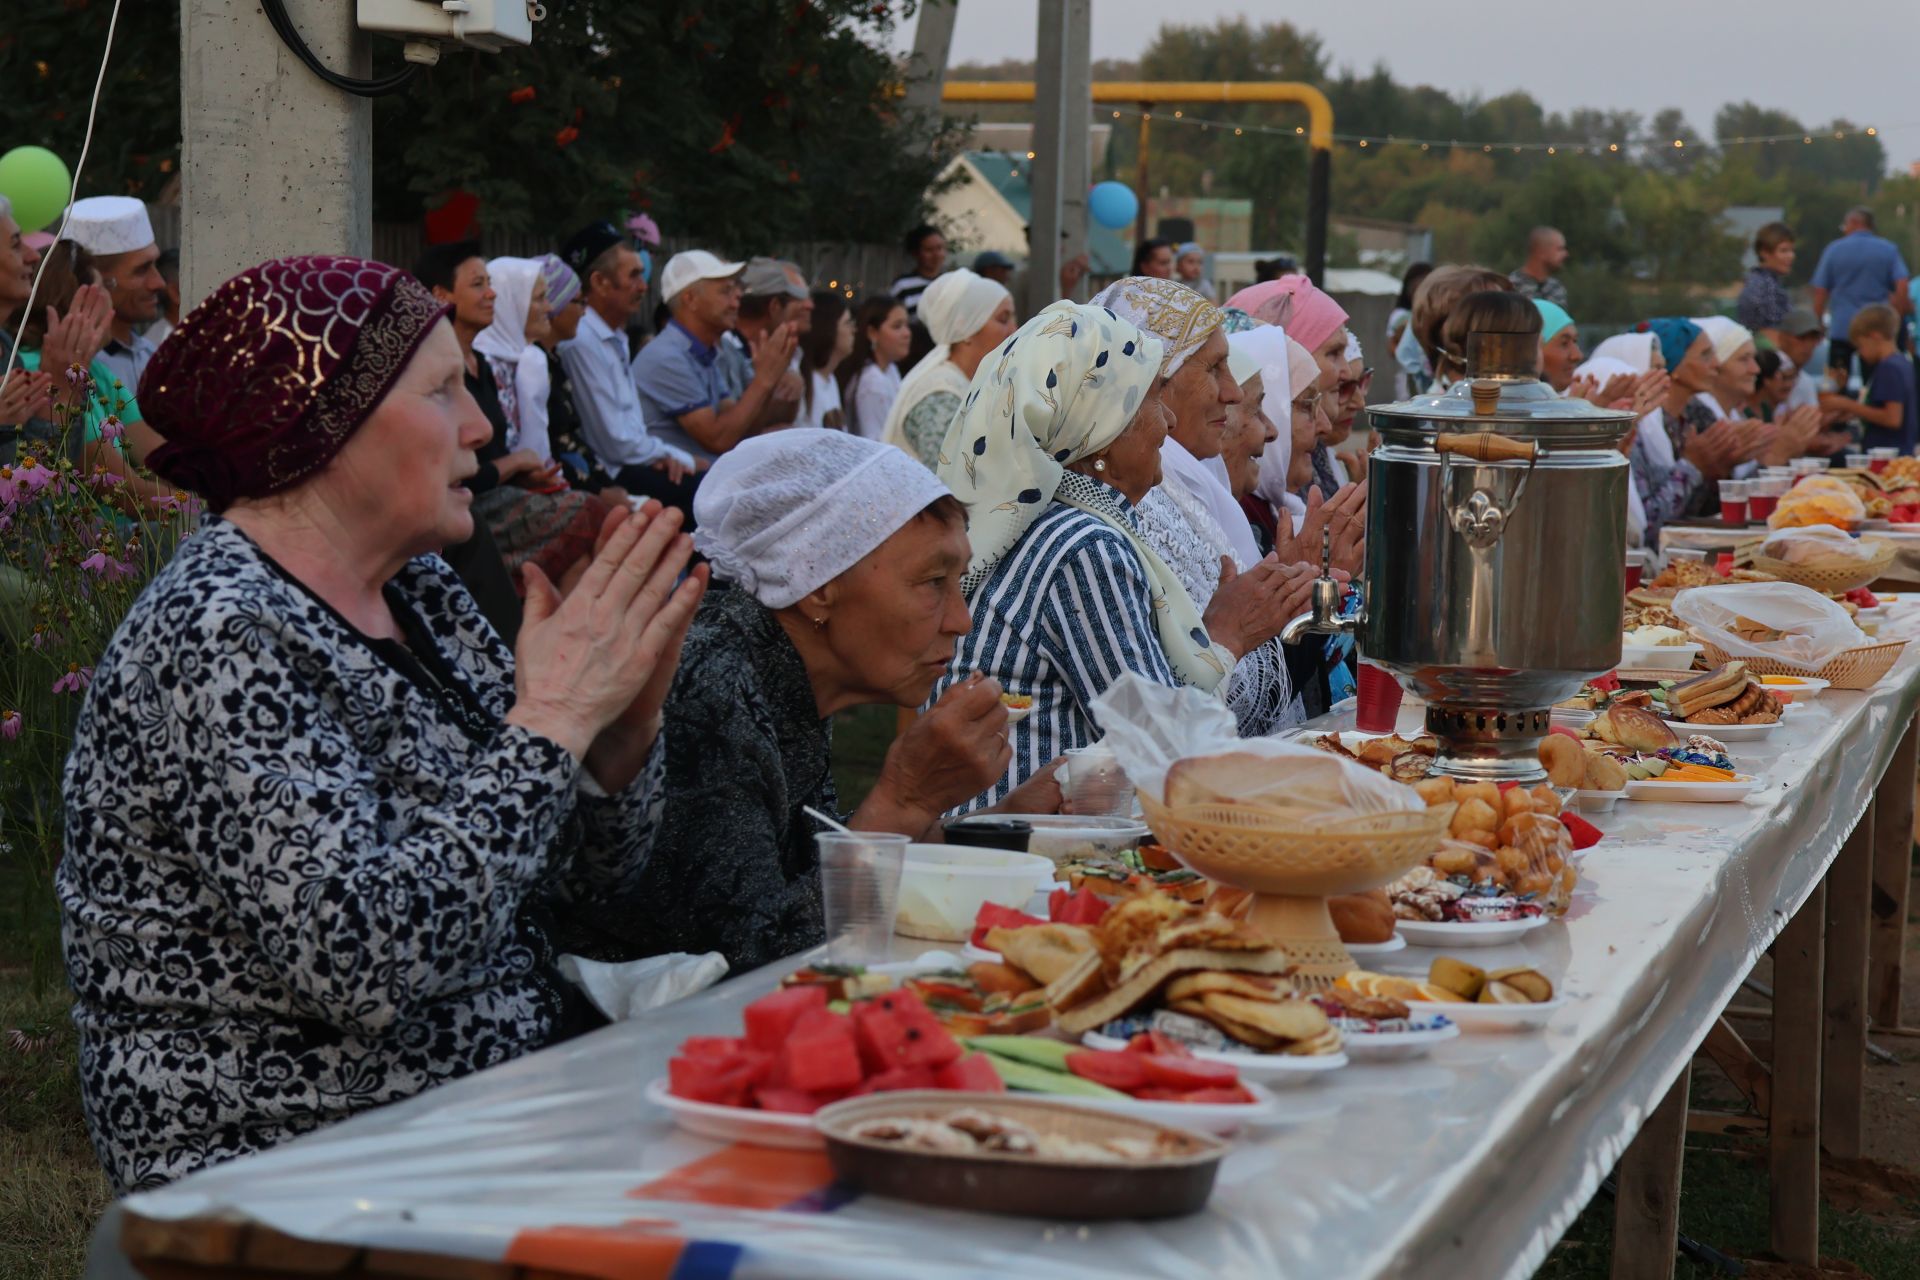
1646,1210
1844,1063
1892,872
1793,1140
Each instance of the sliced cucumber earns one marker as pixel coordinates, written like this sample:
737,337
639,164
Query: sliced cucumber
1035,1050
1028,1078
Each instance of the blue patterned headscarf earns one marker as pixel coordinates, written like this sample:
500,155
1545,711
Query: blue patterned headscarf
1675,335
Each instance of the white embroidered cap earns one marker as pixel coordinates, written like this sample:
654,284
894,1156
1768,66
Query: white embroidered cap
783,514
108,225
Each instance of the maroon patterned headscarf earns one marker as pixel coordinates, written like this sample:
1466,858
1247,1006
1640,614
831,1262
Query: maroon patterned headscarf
263,382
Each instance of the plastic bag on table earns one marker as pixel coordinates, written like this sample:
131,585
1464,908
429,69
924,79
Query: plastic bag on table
1776,620
1180,746
628,989
1505,842
1820,546
1817,501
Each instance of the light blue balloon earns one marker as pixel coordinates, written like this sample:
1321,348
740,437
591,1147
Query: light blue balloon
1113,204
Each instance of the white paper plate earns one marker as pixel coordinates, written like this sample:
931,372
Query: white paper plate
737,1124
1808,688
1502,1017
1740,788
1431,1026
1016,714
1725,732
1590,801
1275,1070
1658,656
1362,950
1491,933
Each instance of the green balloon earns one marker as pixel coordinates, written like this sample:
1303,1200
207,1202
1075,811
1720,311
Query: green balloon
38,184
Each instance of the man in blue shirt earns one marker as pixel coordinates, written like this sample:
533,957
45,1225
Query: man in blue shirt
681,387
612,423
1857,270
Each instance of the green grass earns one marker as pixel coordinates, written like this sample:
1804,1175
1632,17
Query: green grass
1723,1204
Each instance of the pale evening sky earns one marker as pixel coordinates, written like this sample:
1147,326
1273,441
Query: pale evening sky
1642,55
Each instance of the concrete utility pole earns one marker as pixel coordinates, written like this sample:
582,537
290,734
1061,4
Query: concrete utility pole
274,160
1060,173
932,43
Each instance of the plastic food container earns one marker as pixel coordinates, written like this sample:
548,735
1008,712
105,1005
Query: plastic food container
1068,838
943,886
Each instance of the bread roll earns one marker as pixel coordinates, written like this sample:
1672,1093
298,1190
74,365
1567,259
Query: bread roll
1562,757
1604,773
1362,917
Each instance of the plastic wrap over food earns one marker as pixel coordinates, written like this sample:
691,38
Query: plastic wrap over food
1157,731
1818,501
1819,546
1776,620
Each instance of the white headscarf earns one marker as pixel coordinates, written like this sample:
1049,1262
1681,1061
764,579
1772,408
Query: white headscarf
781,515
1063,388
1354,349
515,281
1167,309
1303,371
1600,368
1635,350
954,308
1270,345
1727,336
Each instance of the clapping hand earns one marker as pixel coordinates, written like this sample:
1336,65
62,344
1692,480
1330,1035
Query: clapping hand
78,336
28,394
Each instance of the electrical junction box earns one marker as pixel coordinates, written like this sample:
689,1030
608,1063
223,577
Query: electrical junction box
490,25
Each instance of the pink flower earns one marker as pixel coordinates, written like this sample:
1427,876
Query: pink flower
104,479
30,476
76,679
112,428
78,375
9,725
9,486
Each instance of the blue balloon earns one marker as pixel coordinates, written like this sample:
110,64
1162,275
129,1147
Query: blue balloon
1113,204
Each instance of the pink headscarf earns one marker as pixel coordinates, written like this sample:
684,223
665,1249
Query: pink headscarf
1309,315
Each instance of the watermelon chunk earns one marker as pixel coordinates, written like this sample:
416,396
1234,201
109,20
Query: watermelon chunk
900,1078
1158,1042
815,1020
1123,1071
770,1019
713,1046
1186,1073
1082,906
993,916
725,1082
792,1101
970,1074
823,1059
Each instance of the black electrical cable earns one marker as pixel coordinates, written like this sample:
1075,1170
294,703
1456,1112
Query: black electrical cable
290,36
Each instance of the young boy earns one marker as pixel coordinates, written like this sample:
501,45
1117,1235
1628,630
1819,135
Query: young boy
1890,408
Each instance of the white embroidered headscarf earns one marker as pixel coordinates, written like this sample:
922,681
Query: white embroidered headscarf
1063,388
782,514
1600,368
954,308
515,281
1167,309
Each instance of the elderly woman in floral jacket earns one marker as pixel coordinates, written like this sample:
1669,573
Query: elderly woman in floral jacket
314,805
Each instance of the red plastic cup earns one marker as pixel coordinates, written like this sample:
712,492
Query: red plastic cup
1633,577
1379,700
1734,512
1878,465
1761,505
1724,564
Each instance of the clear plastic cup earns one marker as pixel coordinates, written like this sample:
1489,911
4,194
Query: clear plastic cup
1858,461
1733,501
1808,466
1096,785
1764,497
1379,694
860,889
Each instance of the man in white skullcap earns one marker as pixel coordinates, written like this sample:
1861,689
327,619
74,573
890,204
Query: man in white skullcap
115,230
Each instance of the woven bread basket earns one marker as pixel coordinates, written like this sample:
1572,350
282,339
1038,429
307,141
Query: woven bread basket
1854,669
1832,580
1262,852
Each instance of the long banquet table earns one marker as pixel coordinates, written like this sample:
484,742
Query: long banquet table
1471,1162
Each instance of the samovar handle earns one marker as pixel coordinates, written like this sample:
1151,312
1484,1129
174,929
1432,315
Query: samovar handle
1486,446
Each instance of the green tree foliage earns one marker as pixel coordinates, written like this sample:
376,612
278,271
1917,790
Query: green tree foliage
49,57
748,122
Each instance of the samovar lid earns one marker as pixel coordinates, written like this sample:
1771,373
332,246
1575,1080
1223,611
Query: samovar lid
1500,393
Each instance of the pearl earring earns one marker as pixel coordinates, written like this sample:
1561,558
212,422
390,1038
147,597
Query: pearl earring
1099,464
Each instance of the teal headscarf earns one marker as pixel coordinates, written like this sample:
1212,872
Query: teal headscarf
1553,318
1674,334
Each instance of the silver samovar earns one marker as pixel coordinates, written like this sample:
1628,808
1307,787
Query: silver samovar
1496,540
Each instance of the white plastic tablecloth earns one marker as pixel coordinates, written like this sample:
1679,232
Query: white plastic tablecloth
1471,1162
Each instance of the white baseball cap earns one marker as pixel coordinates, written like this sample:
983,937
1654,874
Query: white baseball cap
684,268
